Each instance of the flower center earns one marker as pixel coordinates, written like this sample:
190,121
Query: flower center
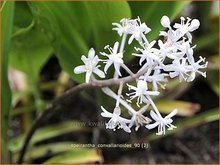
89,66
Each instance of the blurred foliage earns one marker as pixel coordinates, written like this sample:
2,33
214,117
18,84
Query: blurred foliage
7,11
67,30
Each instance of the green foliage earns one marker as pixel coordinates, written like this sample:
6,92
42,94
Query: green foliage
77,27
83,155
30,50
46,133
7,19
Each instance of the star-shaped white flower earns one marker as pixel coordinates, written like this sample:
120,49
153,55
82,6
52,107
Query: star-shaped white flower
114,58
179,67
156,79
140,92
161,122
122,28
195,68
148,53
138,30
90,66
169,51
185,28
116,120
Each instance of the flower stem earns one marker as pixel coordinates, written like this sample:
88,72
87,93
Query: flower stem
122,43
127,69
110,93
154,106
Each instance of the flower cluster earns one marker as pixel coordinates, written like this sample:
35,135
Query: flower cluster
174,48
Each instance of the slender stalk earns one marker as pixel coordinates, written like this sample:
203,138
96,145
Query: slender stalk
154,106
110,93
127,69
122,46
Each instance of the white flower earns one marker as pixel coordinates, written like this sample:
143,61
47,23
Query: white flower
138,119
122,28
90,66
161,122
169,51
156,78
148,53
113,58
140,92
195,66
179,67
137,31
185,28
116,120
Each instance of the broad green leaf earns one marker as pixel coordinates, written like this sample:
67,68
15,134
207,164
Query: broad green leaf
202,118
68,42
47,133
30,50
81,25
184,108
102,15
7,11
22,15
78,155
50,149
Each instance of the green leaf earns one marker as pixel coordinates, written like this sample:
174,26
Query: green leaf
78,27
102,15
23,16
44,150
30,50
7,20
184,108
83,155
47,132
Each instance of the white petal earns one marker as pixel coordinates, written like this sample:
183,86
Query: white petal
79,69
108,64
154,116
130,39
105,113
151,126
99,72
88,75
115,48
91,53
84,59
125,128
153,93
151,44
117,68
173,113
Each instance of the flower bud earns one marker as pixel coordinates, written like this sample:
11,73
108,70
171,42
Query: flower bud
165,21
194,25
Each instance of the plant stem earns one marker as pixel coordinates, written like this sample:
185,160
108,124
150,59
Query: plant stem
110,93
122,43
